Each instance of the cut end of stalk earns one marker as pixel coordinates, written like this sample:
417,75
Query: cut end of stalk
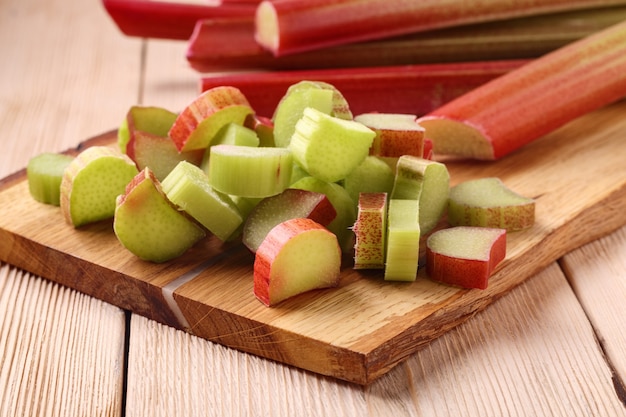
455,138
266,26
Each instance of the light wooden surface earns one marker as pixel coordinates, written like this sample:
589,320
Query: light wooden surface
553,346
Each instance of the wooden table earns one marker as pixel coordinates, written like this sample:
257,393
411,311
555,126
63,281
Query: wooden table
552,346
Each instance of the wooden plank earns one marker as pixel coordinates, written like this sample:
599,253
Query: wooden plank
62,351
597,273
366,326
520,357
532,353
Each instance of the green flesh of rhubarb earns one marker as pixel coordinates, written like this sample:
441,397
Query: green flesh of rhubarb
188,187
327,147
44,173
248,171
426,181
403,239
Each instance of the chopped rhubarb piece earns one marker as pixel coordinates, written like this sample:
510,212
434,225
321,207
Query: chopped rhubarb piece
297,256
396,134
287,26
465,256
415,89
370,230
525,104
167,20
200,121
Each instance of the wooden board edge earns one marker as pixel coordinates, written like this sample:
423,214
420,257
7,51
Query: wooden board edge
80,275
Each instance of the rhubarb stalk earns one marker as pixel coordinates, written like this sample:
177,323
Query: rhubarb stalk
414,89
533,100
167,20
521,38
290,26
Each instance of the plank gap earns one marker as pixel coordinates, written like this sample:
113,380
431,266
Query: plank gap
127,316
618,382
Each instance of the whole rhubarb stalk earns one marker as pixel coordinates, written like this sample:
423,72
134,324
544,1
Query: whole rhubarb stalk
521,38
413,89
289,26
506,113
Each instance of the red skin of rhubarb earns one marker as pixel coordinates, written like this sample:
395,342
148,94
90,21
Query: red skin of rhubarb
521,38
369,247
167,20
507,113
204,106
304,25
414,89
466,273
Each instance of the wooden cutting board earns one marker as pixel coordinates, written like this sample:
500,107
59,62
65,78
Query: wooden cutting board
363,328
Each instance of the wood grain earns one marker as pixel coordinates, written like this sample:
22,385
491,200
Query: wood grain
597,274
362,329
518,358
55,362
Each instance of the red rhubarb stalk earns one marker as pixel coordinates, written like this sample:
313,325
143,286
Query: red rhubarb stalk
413,89
525,104
289,26
167,20
520,38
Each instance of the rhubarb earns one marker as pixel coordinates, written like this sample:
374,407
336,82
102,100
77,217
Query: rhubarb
249,171
488,202
45,173
167,20
520,38
200,121
327,147
288,26
370,230
403,240
292,203
149,225
465,256
297,256
533,100
414,89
